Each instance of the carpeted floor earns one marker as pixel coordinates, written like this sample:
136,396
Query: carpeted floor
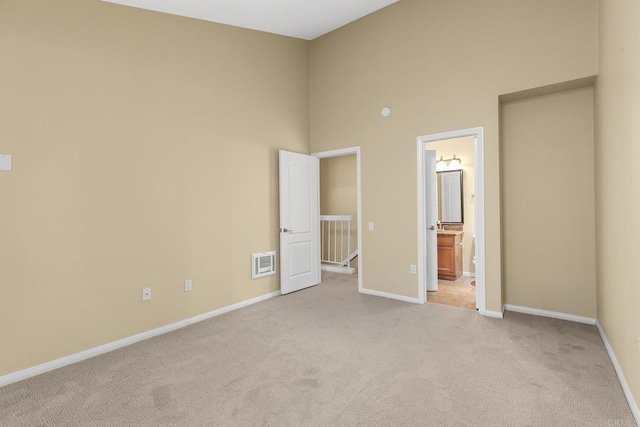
328,356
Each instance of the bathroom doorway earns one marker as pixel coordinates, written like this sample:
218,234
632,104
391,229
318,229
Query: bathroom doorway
450,218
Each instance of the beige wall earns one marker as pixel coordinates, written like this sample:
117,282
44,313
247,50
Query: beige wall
144,153
338,192
463,149
548,211
617,178
440,66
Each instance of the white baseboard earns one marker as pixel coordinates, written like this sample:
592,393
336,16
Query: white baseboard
468,274
232,307
338,269
494,314
92,352
621,378
388,295
553,314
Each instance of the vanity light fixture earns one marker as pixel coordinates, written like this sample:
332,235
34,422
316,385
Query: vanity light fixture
453,163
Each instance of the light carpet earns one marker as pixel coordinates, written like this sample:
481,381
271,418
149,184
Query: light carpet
329,356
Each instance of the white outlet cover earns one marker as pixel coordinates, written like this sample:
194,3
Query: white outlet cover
5,162
146,294
188,285
413,269
371,226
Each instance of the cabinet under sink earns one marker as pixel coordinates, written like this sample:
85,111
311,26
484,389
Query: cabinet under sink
450,254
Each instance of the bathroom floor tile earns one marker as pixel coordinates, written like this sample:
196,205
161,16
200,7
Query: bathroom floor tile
471,297
454,291
457,293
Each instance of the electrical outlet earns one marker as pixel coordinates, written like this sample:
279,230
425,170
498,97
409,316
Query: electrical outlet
188,285
371,226
146,294
413,269
5,162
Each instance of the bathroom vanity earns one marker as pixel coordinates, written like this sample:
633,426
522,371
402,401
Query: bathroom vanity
450,254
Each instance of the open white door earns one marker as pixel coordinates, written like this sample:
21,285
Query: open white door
431,210
299,222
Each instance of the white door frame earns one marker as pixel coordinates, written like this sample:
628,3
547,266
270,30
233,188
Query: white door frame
478,147
346,152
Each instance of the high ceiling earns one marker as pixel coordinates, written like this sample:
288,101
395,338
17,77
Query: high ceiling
305,19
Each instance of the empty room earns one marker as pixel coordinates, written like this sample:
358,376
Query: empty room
172,252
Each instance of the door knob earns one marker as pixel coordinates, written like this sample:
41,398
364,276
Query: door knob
432,228
286,230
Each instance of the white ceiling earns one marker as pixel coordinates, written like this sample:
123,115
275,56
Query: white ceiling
304,19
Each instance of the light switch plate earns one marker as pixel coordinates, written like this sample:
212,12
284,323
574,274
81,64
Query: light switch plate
5,162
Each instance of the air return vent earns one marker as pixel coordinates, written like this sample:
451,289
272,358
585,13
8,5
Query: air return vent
263,264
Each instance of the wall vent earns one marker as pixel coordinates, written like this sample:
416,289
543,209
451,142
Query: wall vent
263,264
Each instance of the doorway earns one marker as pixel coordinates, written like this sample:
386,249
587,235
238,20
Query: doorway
450,232
339,252
455,225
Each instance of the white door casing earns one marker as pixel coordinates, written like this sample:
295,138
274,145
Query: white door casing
356,152
299,221
478,134
431,212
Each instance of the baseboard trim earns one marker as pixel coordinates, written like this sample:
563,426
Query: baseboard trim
338,269
621,378
232,307
388,295
552,314
468,274
105,348
494,314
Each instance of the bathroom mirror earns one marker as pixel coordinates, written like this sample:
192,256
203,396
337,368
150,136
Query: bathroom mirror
450,198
